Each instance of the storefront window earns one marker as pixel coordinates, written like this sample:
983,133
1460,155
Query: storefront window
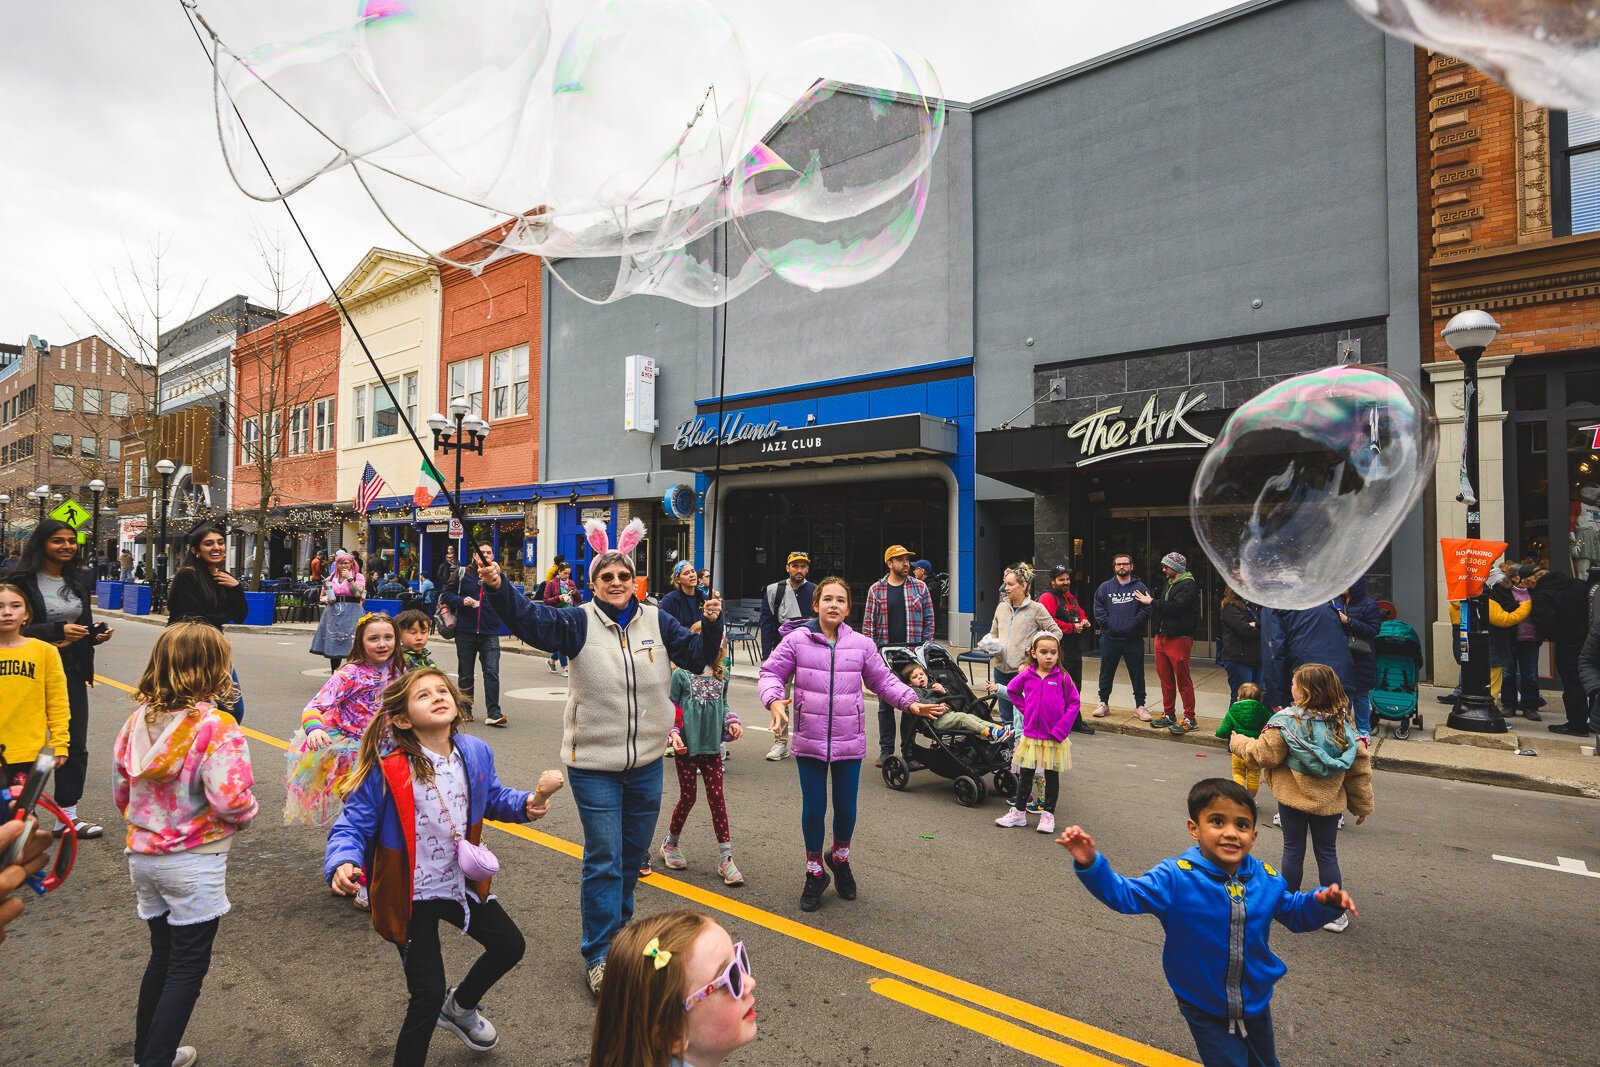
1528,393
1583,480
1533,528
1583,387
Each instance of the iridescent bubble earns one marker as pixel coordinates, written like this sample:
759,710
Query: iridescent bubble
1309,480
1546,51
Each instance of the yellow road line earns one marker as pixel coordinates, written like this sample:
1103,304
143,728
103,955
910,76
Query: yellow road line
1001,1030
1053,1022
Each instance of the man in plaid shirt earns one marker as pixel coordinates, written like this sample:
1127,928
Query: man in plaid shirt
899,611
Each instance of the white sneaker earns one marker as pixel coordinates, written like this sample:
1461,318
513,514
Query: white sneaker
596,976
1341,822
1141,713
1047,822
186,1056
476,1032
1101,711
779,750
1014,817
1339,925
1277,820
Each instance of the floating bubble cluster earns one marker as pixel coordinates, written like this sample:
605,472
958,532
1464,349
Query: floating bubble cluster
1309,480
1547,51
641,156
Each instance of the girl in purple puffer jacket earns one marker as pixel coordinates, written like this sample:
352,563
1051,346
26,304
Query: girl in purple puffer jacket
829,664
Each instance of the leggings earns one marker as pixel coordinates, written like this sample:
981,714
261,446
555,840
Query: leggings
1052,789
180,956
72,774
711,767
490,927
814,775
335,661
1324,834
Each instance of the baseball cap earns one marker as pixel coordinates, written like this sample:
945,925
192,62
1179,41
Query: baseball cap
797,557
1058,570
924,564
895,552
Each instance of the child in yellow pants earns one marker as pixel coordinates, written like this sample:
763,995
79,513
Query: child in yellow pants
1247,716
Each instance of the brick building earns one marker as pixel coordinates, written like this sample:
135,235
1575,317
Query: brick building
1509,223
286,378
63,416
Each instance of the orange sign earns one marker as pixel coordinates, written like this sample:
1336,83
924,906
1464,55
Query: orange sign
1466,564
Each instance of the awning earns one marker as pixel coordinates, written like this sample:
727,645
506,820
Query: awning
767,446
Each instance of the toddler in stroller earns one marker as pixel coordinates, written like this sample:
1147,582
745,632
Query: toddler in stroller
964,744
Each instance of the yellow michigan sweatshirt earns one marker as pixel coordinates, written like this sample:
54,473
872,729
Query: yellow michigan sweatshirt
33,701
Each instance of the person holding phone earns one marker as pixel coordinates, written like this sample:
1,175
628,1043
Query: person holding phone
50,575
477,634
203,590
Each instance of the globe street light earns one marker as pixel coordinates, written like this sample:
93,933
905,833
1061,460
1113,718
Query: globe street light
166,468
96,487
1468,334
466,433
39,496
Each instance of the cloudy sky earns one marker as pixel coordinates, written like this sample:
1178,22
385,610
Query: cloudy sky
110,136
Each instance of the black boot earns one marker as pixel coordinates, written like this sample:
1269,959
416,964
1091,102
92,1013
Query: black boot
811,896
846,884
1081,726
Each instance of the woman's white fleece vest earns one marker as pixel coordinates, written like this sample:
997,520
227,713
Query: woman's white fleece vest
619,704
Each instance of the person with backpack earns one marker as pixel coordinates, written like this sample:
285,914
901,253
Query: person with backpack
785,605
1074,622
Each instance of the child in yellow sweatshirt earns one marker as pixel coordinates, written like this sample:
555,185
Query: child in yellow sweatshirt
33,692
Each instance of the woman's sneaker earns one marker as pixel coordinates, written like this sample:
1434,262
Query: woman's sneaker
553,668
595,976
476,1032
1101,711
1047,822
1339,925
1014,817
672,856
729,873
1163,723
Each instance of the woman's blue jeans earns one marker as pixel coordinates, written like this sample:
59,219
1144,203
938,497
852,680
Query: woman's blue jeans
618,810
1238,674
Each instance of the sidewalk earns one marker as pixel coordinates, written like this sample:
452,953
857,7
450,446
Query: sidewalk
1565,766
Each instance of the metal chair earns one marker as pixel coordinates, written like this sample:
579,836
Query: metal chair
974,656
746,633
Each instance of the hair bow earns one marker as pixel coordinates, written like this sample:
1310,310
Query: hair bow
656,952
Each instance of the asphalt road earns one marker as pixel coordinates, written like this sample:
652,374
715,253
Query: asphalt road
968,944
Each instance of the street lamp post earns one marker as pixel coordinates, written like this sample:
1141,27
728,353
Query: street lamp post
96,487
466,433
166,468
5,499
39,496
1468,334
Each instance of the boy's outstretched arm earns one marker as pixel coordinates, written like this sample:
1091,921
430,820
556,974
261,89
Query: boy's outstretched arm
1076,840
1150,893
1304,912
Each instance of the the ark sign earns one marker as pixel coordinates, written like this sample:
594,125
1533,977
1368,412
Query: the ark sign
1109,434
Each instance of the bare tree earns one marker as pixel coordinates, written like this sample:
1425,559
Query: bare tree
276,385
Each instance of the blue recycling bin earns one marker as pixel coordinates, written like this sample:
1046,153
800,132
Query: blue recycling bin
388,607
261,609
108,595
136,599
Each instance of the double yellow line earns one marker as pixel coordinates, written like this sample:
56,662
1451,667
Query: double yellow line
932,992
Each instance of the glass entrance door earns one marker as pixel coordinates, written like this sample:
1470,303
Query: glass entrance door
1148,534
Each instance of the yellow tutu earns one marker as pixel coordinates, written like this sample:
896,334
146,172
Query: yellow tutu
1042,755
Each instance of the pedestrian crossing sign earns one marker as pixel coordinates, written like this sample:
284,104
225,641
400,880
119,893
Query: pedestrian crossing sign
70,512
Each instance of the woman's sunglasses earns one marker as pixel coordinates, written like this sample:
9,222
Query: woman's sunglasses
609,578
733,979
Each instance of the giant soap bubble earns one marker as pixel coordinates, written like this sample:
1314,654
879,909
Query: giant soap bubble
1547,51
1309,480
641,156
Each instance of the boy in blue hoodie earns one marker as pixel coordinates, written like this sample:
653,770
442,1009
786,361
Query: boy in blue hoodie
1216,903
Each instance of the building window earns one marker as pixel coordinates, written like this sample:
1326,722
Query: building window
144,475
127,478
324,421
61,444
410,391
1575,144
508,374
299,429
358,397
385,416
119,405
273,445
249,444
90,448
92,401
63,401
466,382
113,449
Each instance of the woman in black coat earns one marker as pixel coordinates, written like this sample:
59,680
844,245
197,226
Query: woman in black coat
1361,618
1241,641
202,590
50,574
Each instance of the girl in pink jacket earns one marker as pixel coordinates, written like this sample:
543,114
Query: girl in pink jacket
1048,702
830,665
183,783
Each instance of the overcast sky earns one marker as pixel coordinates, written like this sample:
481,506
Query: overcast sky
110,139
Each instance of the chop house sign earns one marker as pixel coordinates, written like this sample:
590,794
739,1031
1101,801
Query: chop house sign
1108,433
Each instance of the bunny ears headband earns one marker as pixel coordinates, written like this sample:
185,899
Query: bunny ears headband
600,541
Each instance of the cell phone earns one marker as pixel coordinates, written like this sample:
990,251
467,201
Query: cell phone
99,628
23,806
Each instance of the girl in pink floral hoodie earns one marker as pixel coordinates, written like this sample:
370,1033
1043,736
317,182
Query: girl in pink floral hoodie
183,783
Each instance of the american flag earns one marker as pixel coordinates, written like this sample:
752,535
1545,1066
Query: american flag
367,492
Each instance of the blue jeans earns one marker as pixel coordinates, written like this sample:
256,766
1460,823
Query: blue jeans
1009,712
1361,708
1122,649
1238,674
814,776
1521,686
1218,1048
1324,831
618,810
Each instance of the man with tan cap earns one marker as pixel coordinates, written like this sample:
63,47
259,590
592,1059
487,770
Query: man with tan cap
786,604
899,611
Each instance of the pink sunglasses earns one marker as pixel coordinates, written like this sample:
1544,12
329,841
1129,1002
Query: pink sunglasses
733,978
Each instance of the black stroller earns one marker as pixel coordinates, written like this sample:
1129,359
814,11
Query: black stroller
962,757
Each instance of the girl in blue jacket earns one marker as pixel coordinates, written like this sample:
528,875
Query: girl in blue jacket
410,829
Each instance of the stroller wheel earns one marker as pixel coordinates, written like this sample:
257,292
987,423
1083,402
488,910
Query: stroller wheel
1005,783
896,775
969,791
1402,729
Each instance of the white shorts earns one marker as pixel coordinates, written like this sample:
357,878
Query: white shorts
186,887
